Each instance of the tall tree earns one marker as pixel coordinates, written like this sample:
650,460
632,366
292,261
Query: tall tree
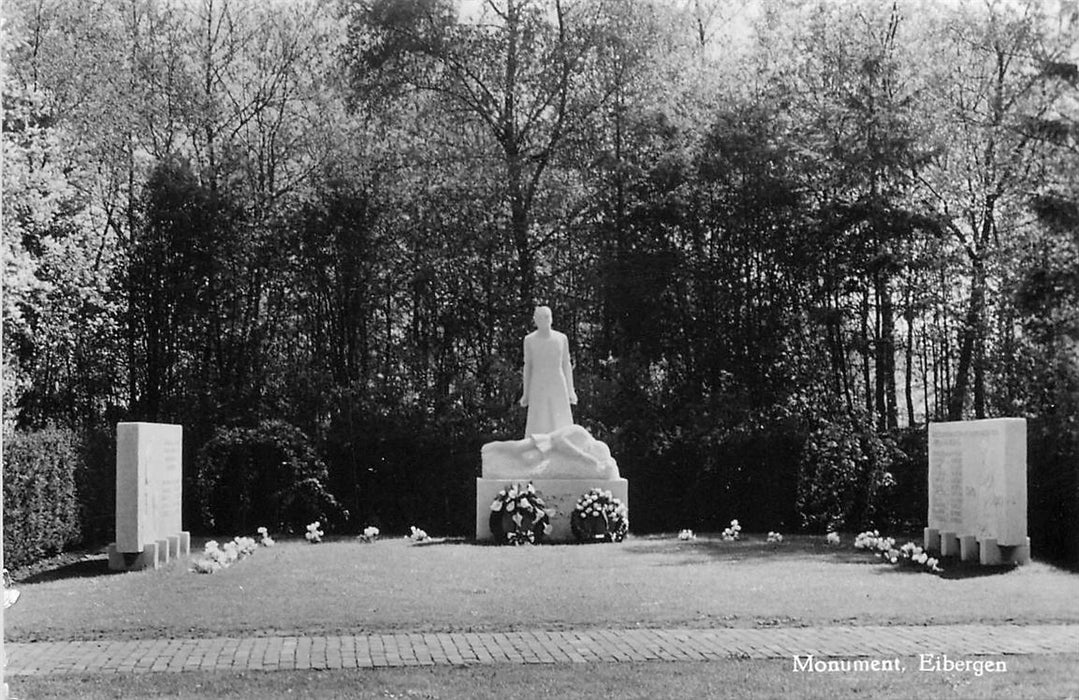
521,71
987,73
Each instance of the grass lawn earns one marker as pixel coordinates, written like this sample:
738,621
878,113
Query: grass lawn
346,587
1026,677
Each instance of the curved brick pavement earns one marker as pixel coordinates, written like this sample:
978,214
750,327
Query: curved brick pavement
532,647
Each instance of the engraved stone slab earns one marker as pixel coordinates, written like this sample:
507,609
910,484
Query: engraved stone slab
978,480
149,493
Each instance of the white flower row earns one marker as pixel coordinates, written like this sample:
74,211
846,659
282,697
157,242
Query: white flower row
884,547
732,533
264,537
216,557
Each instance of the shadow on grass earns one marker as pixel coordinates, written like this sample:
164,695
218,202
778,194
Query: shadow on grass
794,547
950,571
442,541
958,570
85,568
799,548
468,541
706,546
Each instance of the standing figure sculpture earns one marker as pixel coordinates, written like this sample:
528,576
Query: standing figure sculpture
553,446
556,457
548,377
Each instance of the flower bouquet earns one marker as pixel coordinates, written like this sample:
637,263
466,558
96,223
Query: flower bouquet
732,533
599,516
314,533
519,515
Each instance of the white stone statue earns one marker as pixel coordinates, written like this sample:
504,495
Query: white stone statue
548,377
553,447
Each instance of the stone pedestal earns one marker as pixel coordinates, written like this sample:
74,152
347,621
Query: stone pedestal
1008,554
153,555
562,466
148,558
989,552
560,495
968,548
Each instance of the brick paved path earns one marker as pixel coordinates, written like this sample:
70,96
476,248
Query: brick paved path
531,647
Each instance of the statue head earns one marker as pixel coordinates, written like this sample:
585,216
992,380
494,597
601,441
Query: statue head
543,318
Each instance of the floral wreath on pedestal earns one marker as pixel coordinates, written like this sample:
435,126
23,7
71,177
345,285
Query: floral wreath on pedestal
599,516
519,515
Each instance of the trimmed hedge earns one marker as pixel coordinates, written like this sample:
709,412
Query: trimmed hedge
41,509
95,482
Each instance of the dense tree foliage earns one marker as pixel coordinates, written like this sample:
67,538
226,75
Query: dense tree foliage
780,235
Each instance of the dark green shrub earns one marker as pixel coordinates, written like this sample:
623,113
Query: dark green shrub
268,476
843,475
41,510
1053,489
904,508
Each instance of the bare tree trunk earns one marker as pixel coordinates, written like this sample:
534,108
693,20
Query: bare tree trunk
510,140
908,356
879,365
968,341
979,377
842,358
839,363
887,393
891,393
208,86
944,359
930,412
867,378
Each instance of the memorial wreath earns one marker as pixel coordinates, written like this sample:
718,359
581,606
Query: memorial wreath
519,515
599,516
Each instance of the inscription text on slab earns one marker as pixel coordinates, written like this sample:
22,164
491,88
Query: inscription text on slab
149,483
977,479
